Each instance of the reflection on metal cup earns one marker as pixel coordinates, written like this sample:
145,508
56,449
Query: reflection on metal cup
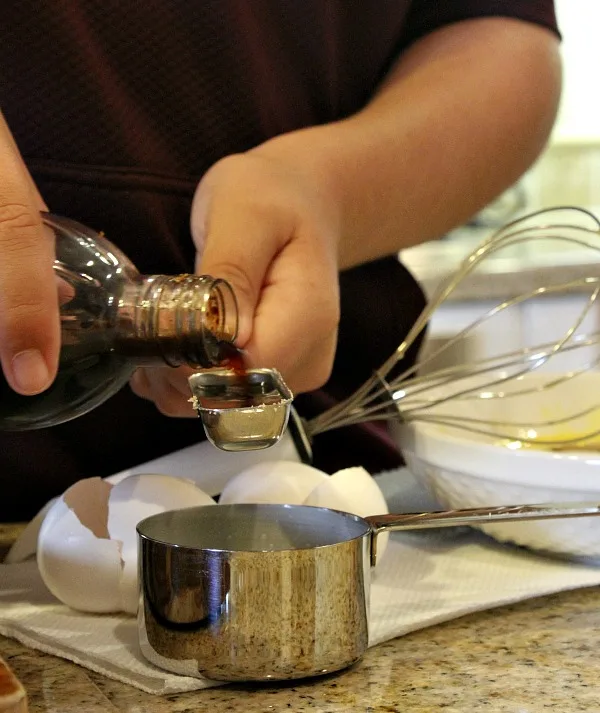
250,592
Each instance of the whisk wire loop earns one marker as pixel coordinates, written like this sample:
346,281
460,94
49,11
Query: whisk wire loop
417,395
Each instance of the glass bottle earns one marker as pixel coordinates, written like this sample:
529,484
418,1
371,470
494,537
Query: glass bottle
114,320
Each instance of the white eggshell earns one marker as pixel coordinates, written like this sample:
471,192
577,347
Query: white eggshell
87,545
355,491
279,482
135,498
78,567
26,544
210,468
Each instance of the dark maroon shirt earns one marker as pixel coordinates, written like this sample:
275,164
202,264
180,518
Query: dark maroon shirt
120,106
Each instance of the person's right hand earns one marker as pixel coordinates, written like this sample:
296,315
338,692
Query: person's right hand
29,321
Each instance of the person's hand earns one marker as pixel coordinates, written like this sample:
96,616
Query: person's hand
270,228
29,321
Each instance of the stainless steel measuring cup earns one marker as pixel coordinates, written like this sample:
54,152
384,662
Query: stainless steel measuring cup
272,592
241,412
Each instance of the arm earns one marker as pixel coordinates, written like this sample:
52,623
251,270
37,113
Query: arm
461,116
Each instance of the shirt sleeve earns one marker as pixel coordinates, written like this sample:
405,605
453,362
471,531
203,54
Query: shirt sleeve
425,16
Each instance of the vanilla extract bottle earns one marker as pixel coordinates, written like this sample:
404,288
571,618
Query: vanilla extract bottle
113,320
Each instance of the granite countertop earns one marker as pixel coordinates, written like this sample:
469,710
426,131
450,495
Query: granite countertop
530,657
536,656
513,271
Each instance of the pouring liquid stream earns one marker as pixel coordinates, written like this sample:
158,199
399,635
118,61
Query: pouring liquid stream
243,391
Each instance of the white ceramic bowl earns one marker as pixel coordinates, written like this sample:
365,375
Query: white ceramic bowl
464,469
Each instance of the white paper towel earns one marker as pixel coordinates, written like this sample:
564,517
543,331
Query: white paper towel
424,579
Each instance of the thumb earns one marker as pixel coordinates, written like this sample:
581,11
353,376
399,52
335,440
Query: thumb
29,323
239,244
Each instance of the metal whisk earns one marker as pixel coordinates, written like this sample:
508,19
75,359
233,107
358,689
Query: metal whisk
413,397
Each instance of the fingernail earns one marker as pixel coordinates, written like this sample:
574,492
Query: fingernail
30,372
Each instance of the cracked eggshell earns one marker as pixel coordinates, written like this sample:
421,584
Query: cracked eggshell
26,544
79,564
277,482
87,545
135,498
355,491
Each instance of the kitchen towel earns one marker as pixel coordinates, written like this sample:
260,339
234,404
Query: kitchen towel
425,578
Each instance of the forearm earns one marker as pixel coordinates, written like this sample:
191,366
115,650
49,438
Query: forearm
463,114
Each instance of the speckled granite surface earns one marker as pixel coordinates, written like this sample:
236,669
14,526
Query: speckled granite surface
536,656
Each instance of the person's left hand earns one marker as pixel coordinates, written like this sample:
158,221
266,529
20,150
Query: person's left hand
270,228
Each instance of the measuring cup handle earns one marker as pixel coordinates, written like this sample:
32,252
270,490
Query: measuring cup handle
476,516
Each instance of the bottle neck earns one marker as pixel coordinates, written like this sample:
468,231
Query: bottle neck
180,319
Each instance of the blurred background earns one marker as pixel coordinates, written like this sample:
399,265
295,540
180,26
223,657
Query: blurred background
567,173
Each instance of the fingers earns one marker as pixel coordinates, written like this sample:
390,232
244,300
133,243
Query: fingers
167,388
239,230
295,325
305,362
260,226
29,322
